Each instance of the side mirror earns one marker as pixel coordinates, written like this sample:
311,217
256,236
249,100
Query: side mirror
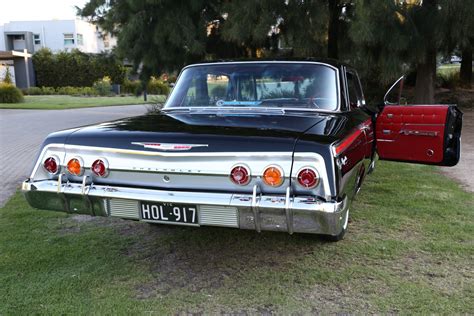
394,94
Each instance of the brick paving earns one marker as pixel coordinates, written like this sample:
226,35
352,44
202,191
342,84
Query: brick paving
23,131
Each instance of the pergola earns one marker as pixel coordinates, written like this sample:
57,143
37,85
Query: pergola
22,64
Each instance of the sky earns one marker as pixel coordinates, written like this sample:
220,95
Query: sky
26,10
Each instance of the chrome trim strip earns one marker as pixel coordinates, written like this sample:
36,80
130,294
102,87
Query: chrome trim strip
250,108
60,182
255,210
288,212
390,90
84,185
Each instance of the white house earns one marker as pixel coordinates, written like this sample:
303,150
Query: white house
20,39
57,35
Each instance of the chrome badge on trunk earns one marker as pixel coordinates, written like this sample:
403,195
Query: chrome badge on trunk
169,146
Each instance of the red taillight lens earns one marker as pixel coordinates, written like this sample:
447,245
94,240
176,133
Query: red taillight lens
99,168
74,166
51,165
308,178
240,175
273,176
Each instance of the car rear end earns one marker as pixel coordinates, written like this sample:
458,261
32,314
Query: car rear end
231,165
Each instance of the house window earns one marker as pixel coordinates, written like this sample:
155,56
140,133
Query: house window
80,39
68,39
37,39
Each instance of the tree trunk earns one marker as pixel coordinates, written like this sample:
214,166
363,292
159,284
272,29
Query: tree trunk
426,69
466,67
425,78
333,29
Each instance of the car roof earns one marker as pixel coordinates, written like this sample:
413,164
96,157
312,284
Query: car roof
333,62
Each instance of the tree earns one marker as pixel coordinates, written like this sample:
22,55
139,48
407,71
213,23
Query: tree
460,35
167,34
397,34
8,77
155,35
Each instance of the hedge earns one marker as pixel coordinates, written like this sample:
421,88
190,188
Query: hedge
154,86
75,68
10,94
74,91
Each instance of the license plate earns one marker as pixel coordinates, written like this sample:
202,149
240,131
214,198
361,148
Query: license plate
169,212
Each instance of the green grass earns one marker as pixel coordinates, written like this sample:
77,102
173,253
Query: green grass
447,69
409,249
58,102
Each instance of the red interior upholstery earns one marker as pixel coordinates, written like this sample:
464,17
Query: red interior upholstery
412,133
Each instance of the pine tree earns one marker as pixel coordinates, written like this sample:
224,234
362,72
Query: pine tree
459,35
396,34
155,35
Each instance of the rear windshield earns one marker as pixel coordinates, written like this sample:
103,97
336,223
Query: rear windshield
285,85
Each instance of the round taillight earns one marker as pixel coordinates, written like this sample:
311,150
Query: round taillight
100,167
74,166
308,178
273,176
51,165
240,175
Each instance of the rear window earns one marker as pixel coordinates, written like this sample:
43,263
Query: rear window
285,85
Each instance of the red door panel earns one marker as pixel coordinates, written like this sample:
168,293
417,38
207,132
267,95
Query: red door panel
414,133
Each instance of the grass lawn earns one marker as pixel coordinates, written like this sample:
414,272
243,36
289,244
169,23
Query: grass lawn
58,102
409,249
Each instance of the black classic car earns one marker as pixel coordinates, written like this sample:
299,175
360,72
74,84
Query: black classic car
262,145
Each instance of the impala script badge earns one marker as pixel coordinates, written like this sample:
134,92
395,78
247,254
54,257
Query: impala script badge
168,146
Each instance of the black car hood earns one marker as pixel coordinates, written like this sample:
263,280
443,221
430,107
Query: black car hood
227,132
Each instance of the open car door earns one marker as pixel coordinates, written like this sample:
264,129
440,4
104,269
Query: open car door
425,134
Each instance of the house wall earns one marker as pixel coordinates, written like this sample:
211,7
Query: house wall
51,35
20,73
2,39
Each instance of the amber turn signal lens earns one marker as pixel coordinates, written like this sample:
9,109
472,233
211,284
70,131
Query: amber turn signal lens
273,176
74,167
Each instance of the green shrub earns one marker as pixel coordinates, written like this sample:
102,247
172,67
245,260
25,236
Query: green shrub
131,87
156,86
48,90
8,77
32,91
103,86
10,94
89,91
75,68
449,80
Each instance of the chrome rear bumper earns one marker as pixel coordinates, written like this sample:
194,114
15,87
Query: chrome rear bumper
287,213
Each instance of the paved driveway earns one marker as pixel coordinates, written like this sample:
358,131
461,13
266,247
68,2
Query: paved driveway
23,131
464,170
